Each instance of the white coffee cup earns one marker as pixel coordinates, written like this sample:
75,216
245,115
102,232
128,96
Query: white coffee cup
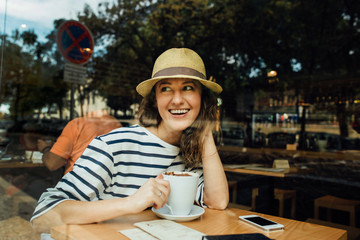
183,188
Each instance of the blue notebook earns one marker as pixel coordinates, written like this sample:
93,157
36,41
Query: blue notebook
247,236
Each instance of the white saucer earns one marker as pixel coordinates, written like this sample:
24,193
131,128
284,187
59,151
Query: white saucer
164,212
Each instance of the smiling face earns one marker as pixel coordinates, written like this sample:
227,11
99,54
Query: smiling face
178,101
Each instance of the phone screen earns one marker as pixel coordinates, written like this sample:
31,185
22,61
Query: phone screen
260,221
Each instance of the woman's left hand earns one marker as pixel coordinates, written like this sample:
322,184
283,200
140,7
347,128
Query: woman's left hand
216,192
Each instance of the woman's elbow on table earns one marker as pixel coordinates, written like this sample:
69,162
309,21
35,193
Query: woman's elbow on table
222,205
219,204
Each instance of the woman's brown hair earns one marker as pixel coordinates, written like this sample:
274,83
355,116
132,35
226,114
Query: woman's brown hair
191,141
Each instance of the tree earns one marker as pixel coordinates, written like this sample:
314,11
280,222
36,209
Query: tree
31,79
305,42
19,72
139,31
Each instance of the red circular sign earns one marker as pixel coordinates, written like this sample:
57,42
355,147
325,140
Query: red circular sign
75,42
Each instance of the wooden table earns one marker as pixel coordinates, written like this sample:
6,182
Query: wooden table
281,174
269,196
213,222
338,155
20,164
17,164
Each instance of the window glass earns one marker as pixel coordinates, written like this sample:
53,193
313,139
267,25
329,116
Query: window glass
289,72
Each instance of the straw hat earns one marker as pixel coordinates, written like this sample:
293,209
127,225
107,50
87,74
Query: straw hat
178,63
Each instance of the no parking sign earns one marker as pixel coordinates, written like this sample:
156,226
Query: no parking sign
75,42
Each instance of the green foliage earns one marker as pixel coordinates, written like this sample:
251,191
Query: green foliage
306,42
30,77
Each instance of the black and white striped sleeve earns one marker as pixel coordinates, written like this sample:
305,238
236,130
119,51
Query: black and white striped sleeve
91,175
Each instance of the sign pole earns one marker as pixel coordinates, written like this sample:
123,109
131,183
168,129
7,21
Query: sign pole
72,101
75,43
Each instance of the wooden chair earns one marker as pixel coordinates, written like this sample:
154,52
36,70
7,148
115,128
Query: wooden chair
281,195
233,191
342,204
255,193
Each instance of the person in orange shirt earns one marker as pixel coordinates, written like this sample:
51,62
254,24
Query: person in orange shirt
75,137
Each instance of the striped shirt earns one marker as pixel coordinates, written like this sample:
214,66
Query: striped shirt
114,165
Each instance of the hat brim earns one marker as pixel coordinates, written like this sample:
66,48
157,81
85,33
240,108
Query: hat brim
144,88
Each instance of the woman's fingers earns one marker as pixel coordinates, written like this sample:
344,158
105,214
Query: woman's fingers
160,176
161,192
154,192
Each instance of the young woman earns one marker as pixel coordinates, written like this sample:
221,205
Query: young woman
120,173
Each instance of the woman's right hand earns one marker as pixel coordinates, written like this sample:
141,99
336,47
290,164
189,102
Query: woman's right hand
154,193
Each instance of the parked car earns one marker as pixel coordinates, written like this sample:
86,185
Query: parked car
233,136
350,144
321,141
4,135
4,140
280,139
258,140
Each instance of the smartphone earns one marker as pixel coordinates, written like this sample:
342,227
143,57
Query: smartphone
262,223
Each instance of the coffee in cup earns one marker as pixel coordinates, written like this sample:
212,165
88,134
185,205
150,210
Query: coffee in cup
183,188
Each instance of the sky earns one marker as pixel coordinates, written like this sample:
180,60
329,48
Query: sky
39,14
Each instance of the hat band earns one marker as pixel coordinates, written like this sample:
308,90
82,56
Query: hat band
172,71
